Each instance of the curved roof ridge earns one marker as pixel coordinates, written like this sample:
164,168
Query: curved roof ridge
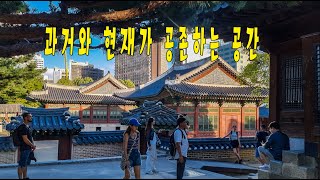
62,86
106,77
214,85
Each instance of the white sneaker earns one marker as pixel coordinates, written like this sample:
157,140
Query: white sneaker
149,172
265,167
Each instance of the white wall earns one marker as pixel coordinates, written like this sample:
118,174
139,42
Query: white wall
46,150
104,127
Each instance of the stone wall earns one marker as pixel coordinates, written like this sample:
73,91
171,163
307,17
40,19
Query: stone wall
226,155
9,157
96,150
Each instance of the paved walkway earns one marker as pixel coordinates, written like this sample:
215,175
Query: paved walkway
111,170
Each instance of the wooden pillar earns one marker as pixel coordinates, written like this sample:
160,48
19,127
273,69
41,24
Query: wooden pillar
196,122
309,95
220,117
91,114
63,105
80,112
257,117
46,106
108,113
65,147
178,103
274,92
241,118
143,143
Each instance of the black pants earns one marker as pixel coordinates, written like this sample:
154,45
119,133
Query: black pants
180,168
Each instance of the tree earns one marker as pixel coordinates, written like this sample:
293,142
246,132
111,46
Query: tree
18,78
81,81
257,73
128,83
65,81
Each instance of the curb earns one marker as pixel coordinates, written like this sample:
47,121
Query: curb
75,161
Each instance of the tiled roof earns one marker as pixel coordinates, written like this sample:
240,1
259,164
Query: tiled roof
64,94
177,74
10,108
155,86
215,91
165,117
107,77
6,144
49,120
98,137
205,144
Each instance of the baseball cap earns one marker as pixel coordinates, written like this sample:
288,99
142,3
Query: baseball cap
134,122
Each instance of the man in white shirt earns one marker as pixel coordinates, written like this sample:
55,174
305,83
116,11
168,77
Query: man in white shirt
182,146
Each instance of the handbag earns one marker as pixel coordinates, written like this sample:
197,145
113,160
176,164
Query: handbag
124,159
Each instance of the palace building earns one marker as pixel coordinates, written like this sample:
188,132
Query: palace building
95,104
209,93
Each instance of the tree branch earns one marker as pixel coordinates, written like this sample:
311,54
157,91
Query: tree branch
63,19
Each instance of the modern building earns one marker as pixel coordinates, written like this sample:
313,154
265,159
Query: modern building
226,52
39,60
82,70
142,68
58,74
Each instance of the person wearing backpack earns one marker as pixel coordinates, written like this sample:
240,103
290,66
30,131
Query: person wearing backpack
235,142
26,147
181,146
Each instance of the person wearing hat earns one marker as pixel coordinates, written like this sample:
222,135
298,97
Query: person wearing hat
182,145
131,148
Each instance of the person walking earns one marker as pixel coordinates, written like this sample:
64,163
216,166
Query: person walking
181,145
235,142
26,147
131,148
152,140
261,137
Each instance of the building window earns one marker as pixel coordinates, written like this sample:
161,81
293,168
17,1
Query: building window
189,111
208,122
100,114
115,113
98,128
74,112
86,114
231,110
250,123
292,89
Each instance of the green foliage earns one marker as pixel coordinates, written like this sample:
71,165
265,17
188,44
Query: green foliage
81,81
128,83
18,78
65,81
7,7
257,73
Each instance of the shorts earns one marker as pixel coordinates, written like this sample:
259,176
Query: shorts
24,158
257,153
235,143
134,158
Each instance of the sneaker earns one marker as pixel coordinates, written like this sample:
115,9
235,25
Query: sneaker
240,161
149,172
236,162
265,167
155,171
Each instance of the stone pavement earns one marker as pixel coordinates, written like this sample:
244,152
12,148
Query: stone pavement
110,169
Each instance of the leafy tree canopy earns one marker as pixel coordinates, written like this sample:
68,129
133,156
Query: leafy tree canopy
128,83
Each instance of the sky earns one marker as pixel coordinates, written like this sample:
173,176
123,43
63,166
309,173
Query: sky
97,57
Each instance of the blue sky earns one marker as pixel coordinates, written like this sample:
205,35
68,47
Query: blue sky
97,57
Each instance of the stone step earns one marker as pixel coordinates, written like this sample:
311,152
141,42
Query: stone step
300,172
298,158
276,167
265,174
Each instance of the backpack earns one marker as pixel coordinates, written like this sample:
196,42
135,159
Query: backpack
172,144
15,136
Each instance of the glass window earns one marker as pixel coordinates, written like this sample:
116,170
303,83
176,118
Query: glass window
208,122
250,123
86,114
